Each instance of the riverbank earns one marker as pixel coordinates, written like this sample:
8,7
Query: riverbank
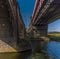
54,36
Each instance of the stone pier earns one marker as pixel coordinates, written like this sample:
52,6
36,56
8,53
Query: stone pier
11,26
7,40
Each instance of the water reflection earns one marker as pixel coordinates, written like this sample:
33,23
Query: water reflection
19,55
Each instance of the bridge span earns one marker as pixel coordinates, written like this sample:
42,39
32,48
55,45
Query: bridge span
44,13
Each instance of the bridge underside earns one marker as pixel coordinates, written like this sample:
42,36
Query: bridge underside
49,12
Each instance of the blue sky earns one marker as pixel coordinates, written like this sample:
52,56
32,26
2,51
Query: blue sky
54,26
26,8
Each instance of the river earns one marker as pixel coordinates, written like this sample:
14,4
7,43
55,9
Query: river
52,48
18,55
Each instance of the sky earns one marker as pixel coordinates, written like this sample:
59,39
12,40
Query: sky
54,26
26,9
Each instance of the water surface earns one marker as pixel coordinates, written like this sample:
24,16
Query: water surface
53,49
17,55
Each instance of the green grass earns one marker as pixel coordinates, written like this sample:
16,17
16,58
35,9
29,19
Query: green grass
54,36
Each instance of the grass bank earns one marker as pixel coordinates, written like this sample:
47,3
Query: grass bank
54,36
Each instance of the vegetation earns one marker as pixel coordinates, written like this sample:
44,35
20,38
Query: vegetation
54,36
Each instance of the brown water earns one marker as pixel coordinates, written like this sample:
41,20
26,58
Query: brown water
22,55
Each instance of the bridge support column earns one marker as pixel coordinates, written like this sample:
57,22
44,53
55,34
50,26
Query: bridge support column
42,29
8,28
